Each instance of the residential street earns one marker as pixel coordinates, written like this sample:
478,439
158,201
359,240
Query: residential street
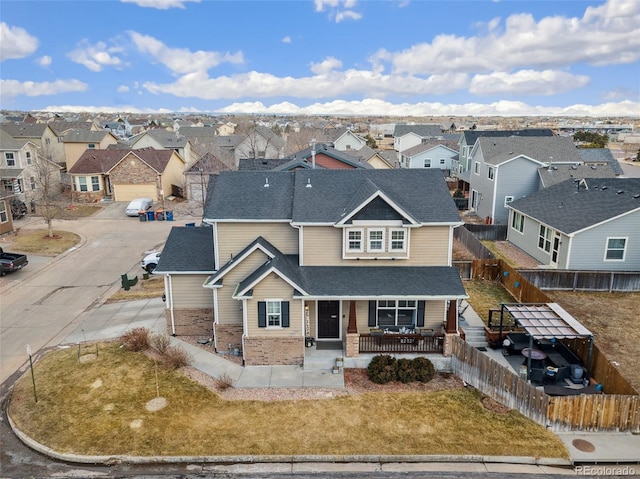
48,298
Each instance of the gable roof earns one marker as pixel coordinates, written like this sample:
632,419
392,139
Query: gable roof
600,155
543,149
235,196
422,130
559,173
86,136
24,130
470,136
102,161
187,250
430,145
304,158
570,206
261,164
166,138
8,142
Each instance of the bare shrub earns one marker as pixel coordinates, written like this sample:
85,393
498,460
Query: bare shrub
224,382
160,342
136,339
176,357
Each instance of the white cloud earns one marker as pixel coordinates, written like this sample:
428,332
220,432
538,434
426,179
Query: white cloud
16,42
182,60
286,39
608,34
12,88
45,61
327,65
526,82
160,4
96,56
123,89
339,10
108,109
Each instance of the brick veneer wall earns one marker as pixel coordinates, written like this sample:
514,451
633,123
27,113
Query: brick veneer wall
191,322
87,196
127,174
273,351
228,334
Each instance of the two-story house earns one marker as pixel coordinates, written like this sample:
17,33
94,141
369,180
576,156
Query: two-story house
43,135
76,142
312,256
432,154
506,168
407,136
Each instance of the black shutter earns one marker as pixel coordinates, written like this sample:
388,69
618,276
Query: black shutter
284,307
372,314
420,315
262,314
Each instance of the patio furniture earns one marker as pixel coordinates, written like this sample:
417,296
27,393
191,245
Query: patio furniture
555,390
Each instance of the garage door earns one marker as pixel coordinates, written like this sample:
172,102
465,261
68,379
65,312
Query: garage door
129,192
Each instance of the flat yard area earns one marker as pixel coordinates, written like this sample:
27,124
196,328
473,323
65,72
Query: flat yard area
120,402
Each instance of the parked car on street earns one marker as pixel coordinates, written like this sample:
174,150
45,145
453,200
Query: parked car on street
150,261
138,205
11,262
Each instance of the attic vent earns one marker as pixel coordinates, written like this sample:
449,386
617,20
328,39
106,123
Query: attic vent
309,183
619,192
266,182
574,167
605,187
594,167
636,196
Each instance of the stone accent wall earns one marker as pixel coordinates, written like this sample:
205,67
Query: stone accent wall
191,322
87,196
273,351
353,345
228,334
138,173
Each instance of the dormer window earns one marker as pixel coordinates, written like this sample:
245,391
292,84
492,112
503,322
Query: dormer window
397,240
354,241
376,240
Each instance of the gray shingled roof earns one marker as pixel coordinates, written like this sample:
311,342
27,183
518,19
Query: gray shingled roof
7,142
260,164
415,150
102,161
567,208
600,155
85,136
422,130
422,194
187,250
562,172
24,130
297,159
168,139
544,149
471,136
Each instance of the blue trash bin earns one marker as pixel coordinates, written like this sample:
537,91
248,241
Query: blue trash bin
151,215
169,215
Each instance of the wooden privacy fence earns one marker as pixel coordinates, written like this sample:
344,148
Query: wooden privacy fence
623,281
586,412
473,244
488,232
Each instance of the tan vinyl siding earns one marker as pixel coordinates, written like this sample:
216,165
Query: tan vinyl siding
274,287
229,309
187,291
434,315
233,237
428,246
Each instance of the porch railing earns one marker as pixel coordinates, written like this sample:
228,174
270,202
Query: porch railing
401,343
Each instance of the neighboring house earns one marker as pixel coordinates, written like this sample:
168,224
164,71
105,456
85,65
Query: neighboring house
226,129
322,254
127,174
468,139
76,142
6,220
580,224
373,157
432,154
552,174
322,156
600,157
161,139
197,176
260,142
40,134
119,127
186,262
506,168
407,136
343,139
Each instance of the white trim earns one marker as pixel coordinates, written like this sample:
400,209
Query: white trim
266,312
241,293
404,240
378,194
216,254
376,297
624,251
345,235
635,210
381,240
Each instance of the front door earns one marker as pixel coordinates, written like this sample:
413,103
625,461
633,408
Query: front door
328,320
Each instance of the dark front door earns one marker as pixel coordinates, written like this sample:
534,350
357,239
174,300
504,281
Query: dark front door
328,319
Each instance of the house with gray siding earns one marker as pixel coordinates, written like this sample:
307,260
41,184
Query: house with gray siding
580,224
506,168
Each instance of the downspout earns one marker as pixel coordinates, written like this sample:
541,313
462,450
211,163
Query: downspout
245,323
168,286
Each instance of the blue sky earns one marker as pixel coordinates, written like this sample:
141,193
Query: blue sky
405,57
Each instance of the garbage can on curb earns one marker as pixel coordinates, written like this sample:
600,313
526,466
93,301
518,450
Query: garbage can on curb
142,215
151,215
169,215
160,215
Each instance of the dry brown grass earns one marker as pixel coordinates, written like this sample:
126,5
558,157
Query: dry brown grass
75,211
94,407
485,295
38,242
612,318
143,289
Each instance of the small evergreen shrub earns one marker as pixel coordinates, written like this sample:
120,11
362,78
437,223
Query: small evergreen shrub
136,339
382,369
423,370
406,371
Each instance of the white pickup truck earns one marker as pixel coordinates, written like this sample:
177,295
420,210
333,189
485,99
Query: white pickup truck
150,261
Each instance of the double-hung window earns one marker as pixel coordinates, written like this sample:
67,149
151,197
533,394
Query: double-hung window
544,238
82,183
95,183
397,240
427,163
615,249
28,157
10,158
376,240
354,240
517,222
4,217
273,313
476,167
491,172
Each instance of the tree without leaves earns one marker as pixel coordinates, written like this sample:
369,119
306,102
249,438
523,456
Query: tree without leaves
49,193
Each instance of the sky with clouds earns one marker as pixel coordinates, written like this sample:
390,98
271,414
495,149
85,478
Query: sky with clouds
347,57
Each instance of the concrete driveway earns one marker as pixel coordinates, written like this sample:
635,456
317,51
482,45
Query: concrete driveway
42,303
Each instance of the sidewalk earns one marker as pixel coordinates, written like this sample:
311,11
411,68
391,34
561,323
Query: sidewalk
113,319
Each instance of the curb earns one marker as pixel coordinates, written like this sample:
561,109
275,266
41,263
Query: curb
289,459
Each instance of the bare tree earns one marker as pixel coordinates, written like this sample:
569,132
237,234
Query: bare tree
297,141
48,192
